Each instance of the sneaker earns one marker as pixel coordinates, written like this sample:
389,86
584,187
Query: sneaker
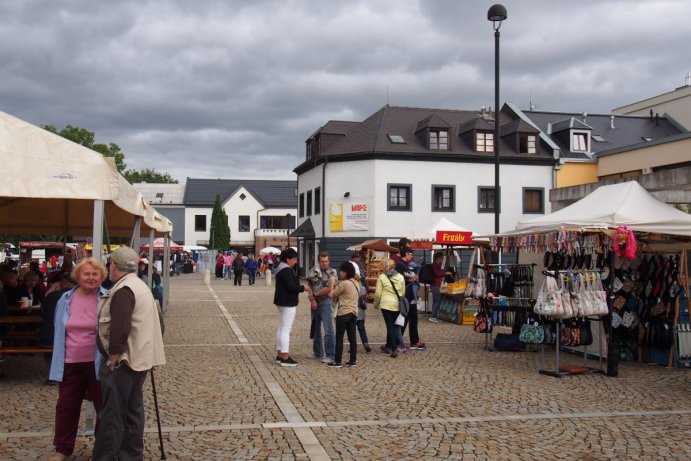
434,319
326,360
402,350
367,348
351,364
289,362
418,346
278,359
394,353
385,349
334,365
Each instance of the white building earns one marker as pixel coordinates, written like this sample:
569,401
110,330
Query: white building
397,172
260,213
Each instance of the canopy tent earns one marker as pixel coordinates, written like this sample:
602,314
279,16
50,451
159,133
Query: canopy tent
609,207
159,244
50,185
375,244
271,250
443,224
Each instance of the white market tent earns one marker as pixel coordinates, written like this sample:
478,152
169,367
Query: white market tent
443,224
609,207
54,186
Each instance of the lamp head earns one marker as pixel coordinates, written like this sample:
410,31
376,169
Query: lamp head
496,14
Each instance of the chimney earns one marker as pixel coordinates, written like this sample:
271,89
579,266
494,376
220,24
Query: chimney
549,127
657,119
651,115
585,116
611,121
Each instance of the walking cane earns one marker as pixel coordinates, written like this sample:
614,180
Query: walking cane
158,417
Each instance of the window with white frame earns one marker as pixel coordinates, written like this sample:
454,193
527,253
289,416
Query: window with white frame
527,144
484,142
439,139
580,141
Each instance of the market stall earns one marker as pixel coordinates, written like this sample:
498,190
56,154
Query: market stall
623,245
373,254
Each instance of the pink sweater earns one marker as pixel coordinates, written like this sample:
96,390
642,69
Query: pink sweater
80,338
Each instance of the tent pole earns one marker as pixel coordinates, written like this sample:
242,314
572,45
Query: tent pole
97,237
152,260
166,270
136,233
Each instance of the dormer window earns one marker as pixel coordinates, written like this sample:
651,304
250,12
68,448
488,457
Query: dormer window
484,142
527,144
580,141
438,139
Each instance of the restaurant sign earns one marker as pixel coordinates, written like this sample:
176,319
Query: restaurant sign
454,237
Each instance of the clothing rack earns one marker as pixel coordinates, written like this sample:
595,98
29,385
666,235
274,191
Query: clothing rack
526,304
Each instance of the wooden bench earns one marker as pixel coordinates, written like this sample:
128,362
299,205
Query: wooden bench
25,350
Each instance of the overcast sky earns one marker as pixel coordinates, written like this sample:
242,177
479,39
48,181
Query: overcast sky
233,88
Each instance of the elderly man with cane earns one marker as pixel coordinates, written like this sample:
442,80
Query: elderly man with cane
130,339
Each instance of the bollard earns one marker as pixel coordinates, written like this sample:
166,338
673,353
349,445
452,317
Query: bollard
207,277
267,274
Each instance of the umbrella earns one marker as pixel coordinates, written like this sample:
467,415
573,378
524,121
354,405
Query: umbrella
267,250
158,246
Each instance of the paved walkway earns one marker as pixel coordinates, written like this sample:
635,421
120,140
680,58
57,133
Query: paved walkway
222,397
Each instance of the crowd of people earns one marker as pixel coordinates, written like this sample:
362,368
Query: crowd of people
232,265
338,305
105,331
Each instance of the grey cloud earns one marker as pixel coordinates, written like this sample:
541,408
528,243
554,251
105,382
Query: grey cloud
233,89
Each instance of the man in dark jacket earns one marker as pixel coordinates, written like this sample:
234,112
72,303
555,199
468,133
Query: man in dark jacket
410,278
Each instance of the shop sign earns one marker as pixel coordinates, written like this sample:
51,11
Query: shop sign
421,244
454,237
348,217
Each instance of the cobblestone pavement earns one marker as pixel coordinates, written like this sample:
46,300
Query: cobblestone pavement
221,396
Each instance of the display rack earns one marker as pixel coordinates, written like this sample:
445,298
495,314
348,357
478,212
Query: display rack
516,305
558,372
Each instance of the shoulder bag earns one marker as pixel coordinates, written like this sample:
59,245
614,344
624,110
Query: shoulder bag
403,304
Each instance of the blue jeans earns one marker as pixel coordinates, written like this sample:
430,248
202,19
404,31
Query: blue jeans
177,267
227,272
323,316
251,276
436,301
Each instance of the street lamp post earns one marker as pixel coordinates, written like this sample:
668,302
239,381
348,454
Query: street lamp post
496,14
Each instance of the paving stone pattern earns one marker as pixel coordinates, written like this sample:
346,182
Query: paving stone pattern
224,398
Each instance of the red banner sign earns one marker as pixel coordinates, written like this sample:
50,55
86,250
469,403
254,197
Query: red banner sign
421,244
454,238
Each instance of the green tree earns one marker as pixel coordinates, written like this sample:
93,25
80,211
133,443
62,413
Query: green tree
149,175
219,231
87,138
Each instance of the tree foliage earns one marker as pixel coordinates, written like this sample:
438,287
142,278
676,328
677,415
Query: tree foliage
87,138
219,236
149,175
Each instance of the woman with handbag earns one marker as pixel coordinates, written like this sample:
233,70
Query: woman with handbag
386,298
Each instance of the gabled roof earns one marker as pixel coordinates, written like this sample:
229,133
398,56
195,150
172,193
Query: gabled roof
570,123
627,131
480,123
433,121
304,230
270,193
370,136
517,126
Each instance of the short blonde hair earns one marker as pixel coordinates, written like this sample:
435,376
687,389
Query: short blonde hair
92,262
390,265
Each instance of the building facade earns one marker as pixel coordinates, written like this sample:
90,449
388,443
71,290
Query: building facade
396,173
260,213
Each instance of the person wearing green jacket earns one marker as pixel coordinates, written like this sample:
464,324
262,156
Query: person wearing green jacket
385,298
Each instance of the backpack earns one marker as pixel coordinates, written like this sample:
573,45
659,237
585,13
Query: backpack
426,273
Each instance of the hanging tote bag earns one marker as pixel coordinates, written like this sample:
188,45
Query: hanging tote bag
568,298
549,300
532,332
599,296
403,303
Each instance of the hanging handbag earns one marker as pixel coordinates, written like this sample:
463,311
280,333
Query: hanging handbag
480,284
619,302
482,323
532,332
567,299
659,309
548,334
599,296
586,333
549,299
403,303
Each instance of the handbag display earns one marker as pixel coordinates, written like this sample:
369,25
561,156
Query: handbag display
549,299
532,332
